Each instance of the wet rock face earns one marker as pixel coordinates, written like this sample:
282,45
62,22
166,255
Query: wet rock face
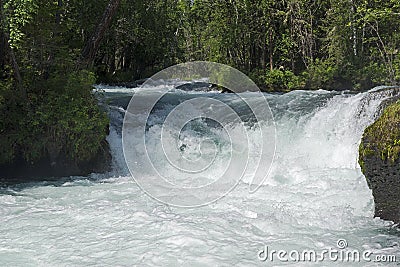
53,166
383,179
379,158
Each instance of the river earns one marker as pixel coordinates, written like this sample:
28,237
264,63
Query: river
314,196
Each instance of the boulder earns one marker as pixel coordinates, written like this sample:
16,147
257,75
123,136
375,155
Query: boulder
54,165
379,158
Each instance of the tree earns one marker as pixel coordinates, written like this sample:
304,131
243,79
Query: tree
92,46
9,51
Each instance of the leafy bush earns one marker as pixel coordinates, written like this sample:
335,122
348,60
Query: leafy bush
283,80
369,76
65,119
396,66
258,77
320,74
10,114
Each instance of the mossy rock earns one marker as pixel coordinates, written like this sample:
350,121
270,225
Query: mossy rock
382,138
379,159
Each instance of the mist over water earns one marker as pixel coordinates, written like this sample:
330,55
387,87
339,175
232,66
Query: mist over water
314,195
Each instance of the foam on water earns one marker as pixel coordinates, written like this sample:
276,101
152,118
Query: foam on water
315,195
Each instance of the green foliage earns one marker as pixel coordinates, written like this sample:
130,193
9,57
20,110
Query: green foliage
320,42
325,44
277,80
19,13
65,119
7,102
258,77
283,80
369,75
60,115
320,74
396,65
282,45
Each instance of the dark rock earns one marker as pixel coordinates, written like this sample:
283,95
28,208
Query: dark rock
54,165
383,179
133,84
379,158
224,89
203,86
124,84
141,81
194,86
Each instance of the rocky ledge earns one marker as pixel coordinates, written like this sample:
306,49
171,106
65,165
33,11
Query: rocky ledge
379,158
53,165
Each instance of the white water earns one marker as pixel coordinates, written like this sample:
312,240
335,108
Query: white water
316,194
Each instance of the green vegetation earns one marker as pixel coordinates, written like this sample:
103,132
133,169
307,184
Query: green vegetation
52,51
63,118
382,138
282,45
46,103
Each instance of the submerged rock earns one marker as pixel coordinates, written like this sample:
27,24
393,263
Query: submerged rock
379,158
194,86
203,87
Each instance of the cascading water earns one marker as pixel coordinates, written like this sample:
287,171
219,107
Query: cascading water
314,195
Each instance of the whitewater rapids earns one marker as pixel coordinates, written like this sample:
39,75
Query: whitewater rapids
314,196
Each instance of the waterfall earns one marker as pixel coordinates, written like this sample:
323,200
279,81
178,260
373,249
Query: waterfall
314,195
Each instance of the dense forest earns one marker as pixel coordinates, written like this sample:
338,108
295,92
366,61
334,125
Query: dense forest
51,52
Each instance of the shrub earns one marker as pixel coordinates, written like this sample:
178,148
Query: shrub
278,80
65,117
320,74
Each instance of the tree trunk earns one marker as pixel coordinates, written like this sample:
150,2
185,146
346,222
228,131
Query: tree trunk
90,50
10,53
15,66
271,52
2,54
263,62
